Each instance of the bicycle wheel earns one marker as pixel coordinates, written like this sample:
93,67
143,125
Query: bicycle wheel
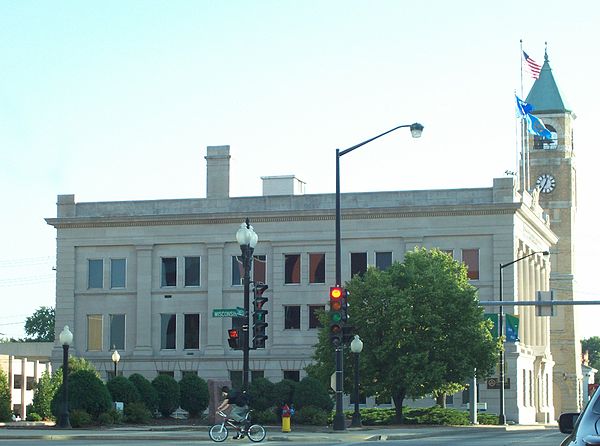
218,433
256,433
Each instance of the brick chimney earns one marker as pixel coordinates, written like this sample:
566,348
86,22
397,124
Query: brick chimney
217,171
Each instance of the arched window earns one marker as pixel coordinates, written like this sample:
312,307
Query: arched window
540,143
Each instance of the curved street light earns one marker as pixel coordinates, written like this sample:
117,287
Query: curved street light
416,130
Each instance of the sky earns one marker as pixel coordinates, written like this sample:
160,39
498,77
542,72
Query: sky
117,100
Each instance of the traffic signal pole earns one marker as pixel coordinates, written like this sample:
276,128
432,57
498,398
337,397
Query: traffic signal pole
339,421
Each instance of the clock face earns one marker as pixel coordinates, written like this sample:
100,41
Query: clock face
546,183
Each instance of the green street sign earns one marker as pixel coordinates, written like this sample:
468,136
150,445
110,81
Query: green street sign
228,312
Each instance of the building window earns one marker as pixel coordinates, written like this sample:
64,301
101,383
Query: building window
258,269
316,268
191,331
166,373
382,400
313,312
292,268
17,381
358,263
117,331
255,374
118,273
168,328
383,260
188,372
169,271
470,257
293,375
95,273
94,332
235,376
192,271
30,383
292,317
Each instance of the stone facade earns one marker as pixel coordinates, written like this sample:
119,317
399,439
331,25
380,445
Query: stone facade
497,223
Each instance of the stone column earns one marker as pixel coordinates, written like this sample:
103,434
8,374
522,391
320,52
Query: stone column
216,276
143,316
531,314
526,291
538,287
23,388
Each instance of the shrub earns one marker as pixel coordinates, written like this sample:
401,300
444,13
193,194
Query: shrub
5,413
147,392
261,394
487,418
168,394
32,416
116,415
80,418
123,390
86,392
314,416
311,392
194,394
377,417
137,413
283,392
105,419
43,393
267,416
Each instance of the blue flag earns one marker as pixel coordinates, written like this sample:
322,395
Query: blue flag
523,108
537,127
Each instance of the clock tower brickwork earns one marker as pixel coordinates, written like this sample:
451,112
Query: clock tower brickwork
556,158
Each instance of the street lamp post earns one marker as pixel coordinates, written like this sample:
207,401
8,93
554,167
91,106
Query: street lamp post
416,130
247,239
356,347
65,338
502,358
115,359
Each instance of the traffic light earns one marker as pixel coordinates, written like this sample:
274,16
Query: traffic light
234,338
336,297
345,305
259,316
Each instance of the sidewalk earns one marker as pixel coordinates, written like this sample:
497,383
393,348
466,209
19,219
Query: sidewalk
39,431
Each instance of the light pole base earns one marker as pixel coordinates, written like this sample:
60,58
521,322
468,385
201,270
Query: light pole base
356,420
501,419
339,422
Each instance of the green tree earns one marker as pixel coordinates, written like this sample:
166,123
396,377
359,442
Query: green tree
261,395
311,392
194,394
39,327
168,394
43,394
5,412
421,326
123,390
592,346
148,393
87,392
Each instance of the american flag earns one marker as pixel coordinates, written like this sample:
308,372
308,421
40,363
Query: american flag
531,66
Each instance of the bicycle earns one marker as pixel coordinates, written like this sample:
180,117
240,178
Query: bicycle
219,432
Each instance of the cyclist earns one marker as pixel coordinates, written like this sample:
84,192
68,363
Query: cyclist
239,401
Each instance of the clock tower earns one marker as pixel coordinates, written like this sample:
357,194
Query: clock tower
552,172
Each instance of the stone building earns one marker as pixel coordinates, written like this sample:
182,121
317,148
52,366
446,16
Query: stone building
145,277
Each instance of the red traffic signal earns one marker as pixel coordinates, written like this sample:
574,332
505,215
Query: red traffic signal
234,338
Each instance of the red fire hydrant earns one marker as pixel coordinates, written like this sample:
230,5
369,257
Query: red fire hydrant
286,416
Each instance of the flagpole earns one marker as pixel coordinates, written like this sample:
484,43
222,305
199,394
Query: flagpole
522,120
